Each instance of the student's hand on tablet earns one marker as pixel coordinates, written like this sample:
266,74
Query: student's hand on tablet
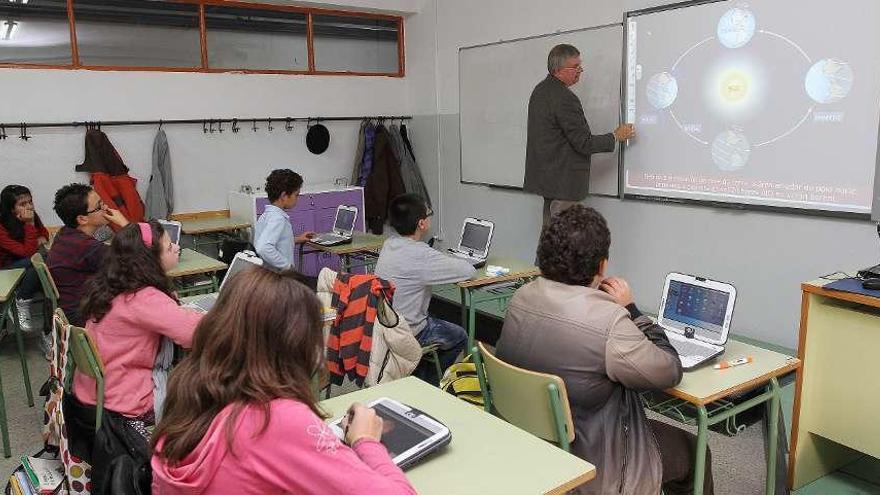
361,423
617,288
305,236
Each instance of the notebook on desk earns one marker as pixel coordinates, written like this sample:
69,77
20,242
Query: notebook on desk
241,261
695,314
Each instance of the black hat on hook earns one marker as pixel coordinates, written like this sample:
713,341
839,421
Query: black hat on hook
318,138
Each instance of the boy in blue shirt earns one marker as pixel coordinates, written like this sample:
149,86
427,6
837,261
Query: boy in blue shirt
273,233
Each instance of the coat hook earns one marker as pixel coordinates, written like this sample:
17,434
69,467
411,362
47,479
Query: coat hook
270,125
24,135
288,126
160,124
205,126
235,127
211,126
3,132
220,125
255,125
99,125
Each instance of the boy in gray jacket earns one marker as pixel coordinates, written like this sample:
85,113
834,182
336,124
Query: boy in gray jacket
414,267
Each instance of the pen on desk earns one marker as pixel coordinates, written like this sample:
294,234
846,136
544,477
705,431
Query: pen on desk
736,362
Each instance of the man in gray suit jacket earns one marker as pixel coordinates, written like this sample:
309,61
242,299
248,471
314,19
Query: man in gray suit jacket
559,142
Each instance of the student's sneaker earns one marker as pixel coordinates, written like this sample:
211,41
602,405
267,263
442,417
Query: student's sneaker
24,314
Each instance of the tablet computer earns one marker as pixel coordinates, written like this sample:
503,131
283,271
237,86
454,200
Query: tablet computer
409,434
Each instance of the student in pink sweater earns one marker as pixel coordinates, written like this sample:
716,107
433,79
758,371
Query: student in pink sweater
130,304
241,417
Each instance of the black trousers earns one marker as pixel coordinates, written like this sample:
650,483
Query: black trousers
677,452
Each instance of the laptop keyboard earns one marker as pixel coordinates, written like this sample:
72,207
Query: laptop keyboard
328,238
688,348
204,303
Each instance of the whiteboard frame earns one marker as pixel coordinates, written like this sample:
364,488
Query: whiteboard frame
874,214
525,38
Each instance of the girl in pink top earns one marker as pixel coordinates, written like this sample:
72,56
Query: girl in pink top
241,418
129,306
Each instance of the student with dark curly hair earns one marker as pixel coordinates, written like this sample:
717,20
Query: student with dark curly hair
273,234
21,234
76,254
241,417
579,324
130,304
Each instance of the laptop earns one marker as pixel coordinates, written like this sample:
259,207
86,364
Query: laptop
343,226
473,245
241,261
695,313
173,228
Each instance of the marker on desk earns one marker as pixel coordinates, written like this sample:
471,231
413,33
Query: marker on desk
736,362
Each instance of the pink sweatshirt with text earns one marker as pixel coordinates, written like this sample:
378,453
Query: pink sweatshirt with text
297,454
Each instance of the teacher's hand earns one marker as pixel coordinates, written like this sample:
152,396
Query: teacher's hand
624,132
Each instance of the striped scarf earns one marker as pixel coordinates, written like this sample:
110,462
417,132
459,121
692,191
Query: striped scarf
356,301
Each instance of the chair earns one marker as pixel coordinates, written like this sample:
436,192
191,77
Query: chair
86,358
429,354
535,402
50,290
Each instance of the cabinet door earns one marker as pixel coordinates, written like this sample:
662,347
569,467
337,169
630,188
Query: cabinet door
304,221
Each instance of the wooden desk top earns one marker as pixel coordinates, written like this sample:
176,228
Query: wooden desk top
706,384
195,263
518,269
817,287
208,225
487,455
9,281
360,242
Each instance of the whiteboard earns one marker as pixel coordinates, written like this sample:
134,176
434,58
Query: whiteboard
495,82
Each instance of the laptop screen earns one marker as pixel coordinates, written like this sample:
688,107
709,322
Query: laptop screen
475,237
238,264
700,308
345,219
173,231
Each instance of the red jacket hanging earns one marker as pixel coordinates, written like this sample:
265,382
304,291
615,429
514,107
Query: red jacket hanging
109,177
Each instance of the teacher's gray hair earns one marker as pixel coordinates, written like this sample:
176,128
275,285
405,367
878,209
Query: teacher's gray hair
559,55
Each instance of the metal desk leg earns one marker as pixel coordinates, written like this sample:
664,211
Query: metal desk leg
215,286
702,439
4,428
345,263
465,304
773,436
301,256
24,367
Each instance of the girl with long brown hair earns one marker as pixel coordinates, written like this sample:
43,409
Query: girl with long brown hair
240,415
129,306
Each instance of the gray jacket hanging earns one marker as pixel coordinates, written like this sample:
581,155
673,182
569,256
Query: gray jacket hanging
413,181
160,192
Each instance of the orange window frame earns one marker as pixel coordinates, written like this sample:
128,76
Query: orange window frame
203,39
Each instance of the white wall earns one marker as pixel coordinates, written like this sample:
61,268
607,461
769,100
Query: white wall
766,255
205,166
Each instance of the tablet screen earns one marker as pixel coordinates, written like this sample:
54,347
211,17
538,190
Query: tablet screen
399,434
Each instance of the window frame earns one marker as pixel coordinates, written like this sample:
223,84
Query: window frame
203,41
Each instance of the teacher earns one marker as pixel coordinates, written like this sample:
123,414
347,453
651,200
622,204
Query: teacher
559,143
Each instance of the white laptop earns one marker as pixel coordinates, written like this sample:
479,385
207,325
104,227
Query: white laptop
172,227
695,313
241,261
343,226
473,245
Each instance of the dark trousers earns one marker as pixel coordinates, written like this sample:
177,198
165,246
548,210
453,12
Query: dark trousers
677,452
30,281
